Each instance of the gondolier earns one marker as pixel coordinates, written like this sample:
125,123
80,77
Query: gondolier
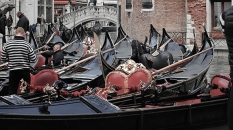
226,20
18,53
57,55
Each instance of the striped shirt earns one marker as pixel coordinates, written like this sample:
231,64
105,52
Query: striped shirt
18,53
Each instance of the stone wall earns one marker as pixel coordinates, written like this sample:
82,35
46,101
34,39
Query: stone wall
168,14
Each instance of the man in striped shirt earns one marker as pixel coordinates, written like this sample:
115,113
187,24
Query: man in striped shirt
18,53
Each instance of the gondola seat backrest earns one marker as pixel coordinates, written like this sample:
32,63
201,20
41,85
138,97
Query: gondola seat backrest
125,83
40,62
128,77
46,76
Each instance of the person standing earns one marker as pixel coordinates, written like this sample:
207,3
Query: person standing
23,21
226,21
2,27
18,53
9,22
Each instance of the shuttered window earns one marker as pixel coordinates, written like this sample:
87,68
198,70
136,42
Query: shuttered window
147,4
128,4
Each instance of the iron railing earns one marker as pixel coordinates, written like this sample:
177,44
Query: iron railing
179,37
218,39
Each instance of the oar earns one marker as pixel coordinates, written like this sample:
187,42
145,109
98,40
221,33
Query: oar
158,50
97,42
4,64
86,59
68,44
62,48
179,62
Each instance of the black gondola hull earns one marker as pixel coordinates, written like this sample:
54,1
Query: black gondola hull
192,116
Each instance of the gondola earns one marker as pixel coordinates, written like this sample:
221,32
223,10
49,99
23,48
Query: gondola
183,114
181,80
91,71
194,49
81,31
55,37
87,68
121,34
84,72
188,113
171,47
75,49
165,50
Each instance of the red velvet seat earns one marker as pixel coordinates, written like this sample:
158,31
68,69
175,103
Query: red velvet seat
125,83
46,76
49,59
40,62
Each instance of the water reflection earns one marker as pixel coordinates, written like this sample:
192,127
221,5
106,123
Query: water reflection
219,65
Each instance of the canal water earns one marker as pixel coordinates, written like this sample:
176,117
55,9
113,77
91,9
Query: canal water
219,65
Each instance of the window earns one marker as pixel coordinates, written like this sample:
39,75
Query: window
147,5
128,4
40,7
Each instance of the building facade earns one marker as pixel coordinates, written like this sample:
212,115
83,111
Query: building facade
173,15
33,9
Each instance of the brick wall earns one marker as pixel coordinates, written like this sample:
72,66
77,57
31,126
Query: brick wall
197,15
168,14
